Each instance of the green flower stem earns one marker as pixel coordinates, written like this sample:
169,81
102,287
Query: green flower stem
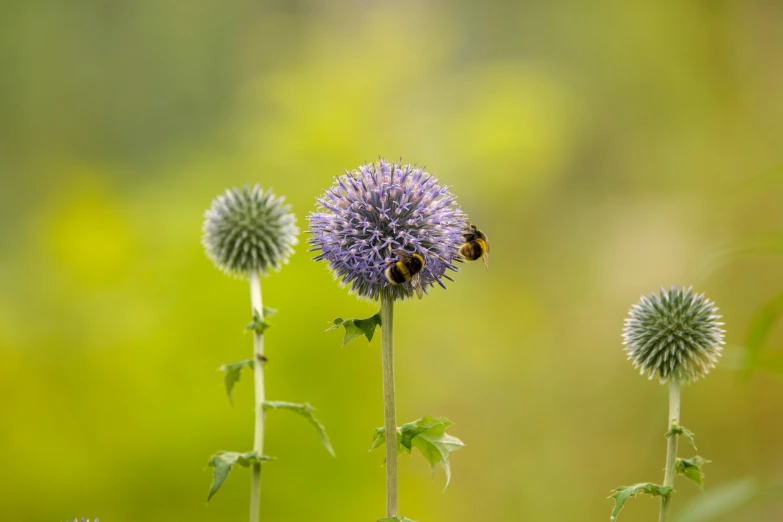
390,420
671,450
258,375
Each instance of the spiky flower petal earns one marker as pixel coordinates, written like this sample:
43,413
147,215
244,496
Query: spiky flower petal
675,334
378,209
249,230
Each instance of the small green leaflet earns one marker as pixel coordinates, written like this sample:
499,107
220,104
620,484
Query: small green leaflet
429,436
306,411
222,462
355,328
233,372
691,468
679,430
379,439
623,493
259,325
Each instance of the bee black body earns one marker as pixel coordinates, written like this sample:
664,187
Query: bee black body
403,270
474,249
476,244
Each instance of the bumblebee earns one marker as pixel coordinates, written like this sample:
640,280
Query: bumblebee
476,245
408,267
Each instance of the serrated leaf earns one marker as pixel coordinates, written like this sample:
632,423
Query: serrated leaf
223,461
306,411
623,493
680,430
258,325
233,372
429,436
691,469
355,328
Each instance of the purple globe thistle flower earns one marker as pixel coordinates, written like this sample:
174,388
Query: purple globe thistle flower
381,208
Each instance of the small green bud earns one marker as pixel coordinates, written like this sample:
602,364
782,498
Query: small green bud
249,230
674,334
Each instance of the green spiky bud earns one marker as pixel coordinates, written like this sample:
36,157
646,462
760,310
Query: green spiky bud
249,230
674,334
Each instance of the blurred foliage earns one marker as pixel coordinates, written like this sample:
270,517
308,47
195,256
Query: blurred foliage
735,497
606,149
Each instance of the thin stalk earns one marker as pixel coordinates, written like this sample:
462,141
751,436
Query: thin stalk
389,414
671,450
258,376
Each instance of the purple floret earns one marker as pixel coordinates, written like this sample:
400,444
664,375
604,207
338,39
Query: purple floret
377,209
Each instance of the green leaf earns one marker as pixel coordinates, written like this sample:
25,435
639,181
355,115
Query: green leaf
691,468
429,436
676,429
355,328
233,372
258,325
222,462
306,411
379,439
623,493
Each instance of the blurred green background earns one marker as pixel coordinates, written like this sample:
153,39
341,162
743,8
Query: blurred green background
606,148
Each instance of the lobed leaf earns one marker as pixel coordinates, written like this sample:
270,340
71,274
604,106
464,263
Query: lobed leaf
233,372
355,328
623,493
691,469
429,436
676,429
306,411
223,461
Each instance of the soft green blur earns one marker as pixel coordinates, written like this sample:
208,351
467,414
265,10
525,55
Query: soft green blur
605,147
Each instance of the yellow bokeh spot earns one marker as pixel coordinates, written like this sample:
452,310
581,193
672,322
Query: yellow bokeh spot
85,232
514,114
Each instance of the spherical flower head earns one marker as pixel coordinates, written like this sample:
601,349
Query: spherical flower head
367,216
676,334
249,230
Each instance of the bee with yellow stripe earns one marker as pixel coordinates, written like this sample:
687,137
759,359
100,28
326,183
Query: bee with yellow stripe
476,245
408,267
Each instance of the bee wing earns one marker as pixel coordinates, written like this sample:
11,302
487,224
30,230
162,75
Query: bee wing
402,255
485,258
416,284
